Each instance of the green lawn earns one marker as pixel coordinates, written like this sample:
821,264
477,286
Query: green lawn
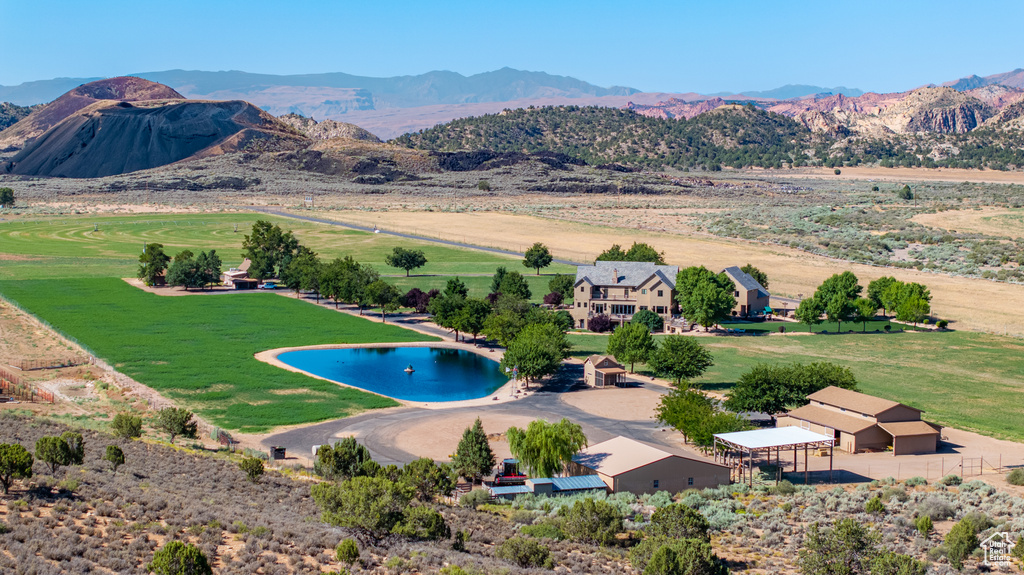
108,246
791,327
967,380
199,350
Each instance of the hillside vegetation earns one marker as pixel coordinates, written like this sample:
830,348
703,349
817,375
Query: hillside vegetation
728,136
734,136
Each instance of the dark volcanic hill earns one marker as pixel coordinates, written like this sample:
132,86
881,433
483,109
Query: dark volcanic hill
110,137
124,88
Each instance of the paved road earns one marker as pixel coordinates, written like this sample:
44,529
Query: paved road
377,430
401,235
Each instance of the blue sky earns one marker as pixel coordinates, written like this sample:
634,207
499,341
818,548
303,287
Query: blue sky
667,46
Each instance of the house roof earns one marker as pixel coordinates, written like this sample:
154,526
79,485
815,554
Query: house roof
745,280
855,401
244,266
596,359
908,428
629,274
621,454
829,418
558,484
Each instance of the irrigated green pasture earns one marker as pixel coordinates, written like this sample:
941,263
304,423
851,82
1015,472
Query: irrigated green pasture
199,350
967,380
98,246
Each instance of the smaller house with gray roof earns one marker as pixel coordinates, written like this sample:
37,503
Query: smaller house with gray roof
620,289
751,297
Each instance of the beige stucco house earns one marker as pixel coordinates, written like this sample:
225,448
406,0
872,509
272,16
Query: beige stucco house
602,371
620,289
751,297
628,465
863,422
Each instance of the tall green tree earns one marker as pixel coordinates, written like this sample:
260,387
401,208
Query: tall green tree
705,298
294,274
631,343
514,284
6,198
152,263
406,259
456,288
428,479
913,310
54,452
446,310
538,256
809,312
844,284
473,456
613,254
175,421
839,309
864,311
771,388
877,287
563,284
509,317
208,266
760,276
497,278
269,249
641,252
15,463
472,317
383,295
546,448
537,351
680,358
685,410
646,317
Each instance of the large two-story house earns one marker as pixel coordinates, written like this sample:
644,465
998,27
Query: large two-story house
751,297
620,289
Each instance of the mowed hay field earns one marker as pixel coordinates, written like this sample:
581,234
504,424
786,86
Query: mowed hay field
97,246
972,304
991,221
969,381
198,351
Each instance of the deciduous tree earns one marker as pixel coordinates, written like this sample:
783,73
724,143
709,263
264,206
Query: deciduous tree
538,256
913,310
269,249
546,448
563,284
537,351
769,388
809,312
6,198
864,311
383,295
406,259
514,284
679,358
760,276
631,343
653,321
472,316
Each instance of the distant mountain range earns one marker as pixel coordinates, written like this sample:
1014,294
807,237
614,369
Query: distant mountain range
791,91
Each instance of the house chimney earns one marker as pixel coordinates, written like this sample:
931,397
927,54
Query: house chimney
615,273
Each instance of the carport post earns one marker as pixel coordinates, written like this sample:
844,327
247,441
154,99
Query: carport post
794,459
830,447
805,464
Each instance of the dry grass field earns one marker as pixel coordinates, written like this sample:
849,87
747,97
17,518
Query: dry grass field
973,304
990,221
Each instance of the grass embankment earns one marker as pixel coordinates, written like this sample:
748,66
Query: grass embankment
199,350
97,246
966,380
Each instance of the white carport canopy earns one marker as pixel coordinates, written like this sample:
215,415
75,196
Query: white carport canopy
776,438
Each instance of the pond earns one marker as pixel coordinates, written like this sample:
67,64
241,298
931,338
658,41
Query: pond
440,374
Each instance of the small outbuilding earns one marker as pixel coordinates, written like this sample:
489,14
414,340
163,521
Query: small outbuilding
628,465
603,371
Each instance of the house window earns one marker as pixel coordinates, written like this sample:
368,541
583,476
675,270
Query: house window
689,481
659,309
582,289
736,293
643,307
643,291
661,293
655,483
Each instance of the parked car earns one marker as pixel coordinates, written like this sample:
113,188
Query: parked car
268,285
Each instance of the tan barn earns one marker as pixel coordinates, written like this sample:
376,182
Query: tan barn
863,422
628,465
603,371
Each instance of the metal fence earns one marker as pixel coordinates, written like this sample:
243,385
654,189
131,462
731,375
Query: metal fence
34,364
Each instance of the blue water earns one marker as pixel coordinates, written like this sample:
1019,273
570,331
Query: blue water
440,374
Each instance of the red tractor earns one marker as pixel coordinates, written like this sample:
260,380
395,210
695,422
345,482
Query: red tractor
509,474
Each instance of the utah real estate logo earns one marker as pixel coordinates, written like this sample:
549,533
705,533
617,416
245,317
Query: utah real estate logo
998,548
